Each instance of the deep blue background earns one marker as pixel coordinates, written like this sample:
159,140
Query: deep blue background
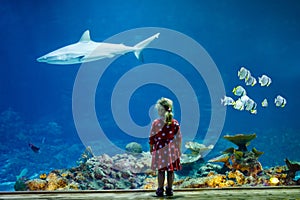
262,35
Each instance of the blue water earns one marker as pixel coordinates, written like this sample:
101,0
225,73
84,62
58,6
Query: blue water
261,35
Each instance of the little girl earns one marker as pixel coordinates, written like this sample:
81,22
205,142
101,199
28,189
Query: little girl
165,144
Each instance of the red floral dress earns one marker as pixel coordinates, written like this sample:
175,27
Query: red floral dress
166,141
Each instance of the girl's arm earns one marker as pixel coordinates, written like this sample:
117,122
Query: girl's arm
151,148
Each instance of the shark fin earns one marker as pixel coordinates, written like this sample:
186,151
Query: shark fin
85,37
80,57
142,45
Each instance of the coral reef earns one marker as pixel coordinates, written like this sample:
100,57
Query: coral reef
100,173
122,171
132,171
52,182
16,133
241,159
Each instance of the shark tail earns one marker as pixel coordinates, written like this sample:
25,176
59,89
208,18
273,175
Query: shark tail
142,45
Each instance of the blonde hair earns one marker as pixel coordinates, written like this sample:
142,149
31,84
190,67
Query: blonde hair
167,104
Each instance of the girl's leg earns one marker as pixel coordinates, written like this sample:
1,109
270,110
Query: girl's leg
170,179
161,179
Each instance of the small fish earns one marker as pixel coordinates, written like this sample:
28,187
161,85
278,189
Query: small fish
239,91
251,81
243,73
244,99
238,105
280,101
35,149
264,103
250,105
227,101
264,80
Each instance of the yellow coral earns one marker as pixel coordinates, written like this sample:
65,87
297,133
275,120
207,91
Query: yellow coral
283,176
43,176
238,176
36,184
230,183
274,181
65,174
216,181
210,174
149,186
151,183
51,177
73,186
279,169
56,184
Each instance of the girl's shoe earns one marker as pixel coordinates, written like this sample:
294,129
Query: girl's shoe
169,191
160,192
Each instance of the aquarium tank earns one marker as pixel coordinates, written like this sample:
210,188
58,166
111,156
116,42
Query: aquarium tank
80,80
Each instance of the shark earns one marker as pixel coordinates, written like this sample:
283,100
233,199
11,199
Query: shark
86,50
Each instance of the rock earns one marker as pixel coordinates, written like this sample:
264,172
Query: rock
134,148
20,184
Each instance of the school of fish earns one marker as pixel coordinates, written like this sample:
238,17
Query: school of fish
244,102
